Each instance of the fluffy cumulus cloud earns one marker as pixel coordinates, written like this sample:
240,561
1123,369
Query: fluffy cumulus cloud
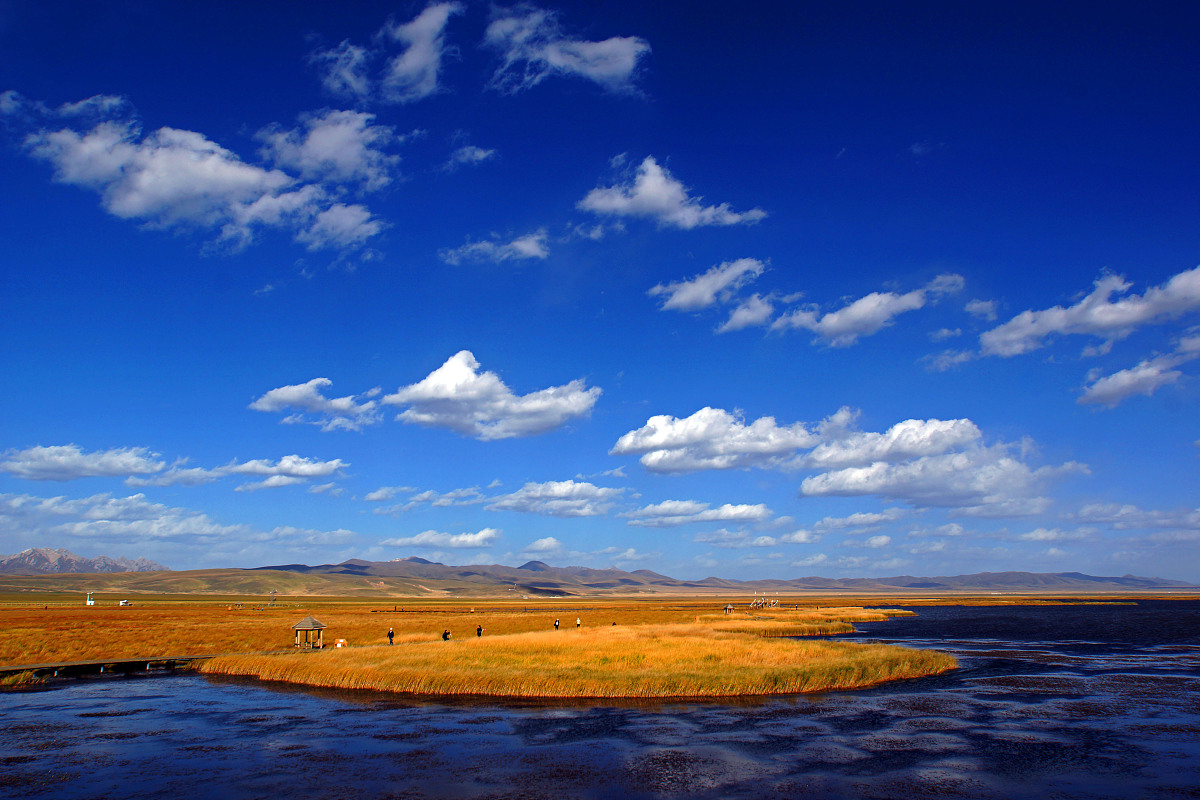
458,396
352,71
559,499
1143,379
907,439
866,315
338,146
172,178
69,462
433,539
752,312
987,481
547,544
287,471
533,47
705,289
312,407
712,438
672,513
655,194
531,245
1098,314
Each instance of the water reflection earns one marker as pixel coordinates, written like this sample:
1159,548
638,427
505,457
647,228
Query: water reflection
1113,712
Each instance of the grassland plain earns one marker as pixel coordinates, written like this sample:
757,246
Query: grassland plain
60,628
710,657
52,627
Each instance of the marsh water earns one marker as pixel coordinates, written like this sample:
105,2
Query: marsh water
1076,701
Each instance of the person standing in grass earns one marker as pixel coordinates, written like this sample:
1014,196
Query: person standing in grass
577,622
391,634
556,624
479,630
446,635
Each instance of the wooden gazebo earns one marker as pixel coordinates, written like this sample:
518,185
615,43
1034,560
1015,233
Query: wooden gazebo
310,633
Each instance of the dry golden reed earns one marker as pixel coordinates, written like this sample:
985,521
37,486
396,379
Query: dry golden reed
646,661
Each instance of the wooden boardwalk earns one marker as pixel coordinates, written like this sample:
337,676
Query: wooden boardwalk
117,666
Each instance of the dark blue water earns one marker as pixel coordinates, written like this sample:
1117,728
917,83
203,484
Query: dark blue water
1058,702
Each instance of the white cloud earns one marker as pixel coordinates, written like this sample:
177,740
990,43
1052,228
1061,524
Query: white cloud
340,226
457,396
704,290
948,359
943,334
907,439
345,70
800,537
337,146
531,245
1097,314
1054,535
671,513
982,309
861,519
174,178
134,520
712,438
69,462
176,476
533,47
455,497
272,482
348,413
558,499
483,538
877,541
413,74
545,545
287,471
655,194
811,561
386,493
753,312
983,480
735,539
1130,517
468,155
866,315
1149,375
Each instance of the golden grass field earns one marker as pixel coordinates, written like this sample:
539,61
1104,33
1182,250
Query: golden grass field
658,647
69,631
699,659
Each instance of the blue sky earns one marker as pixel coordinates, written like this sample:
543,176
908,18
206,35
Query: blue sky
778,290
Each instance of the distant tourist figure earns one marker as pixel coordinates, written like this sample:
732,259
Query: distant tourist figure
555,624
577,622
391,634
479,630
446,635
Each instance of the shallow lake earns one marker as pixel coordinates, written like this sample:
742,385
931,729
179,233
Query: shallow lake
1049,701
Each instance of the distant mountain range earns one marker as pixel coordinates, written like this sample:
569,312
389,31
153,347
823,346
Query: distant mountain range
44,561
45,570
538,578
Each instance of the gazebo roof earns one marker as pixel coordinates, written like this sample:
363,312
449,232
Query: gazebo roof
309,624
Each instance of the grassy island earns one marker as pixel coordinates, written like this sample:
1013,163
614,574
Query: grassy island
714,656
